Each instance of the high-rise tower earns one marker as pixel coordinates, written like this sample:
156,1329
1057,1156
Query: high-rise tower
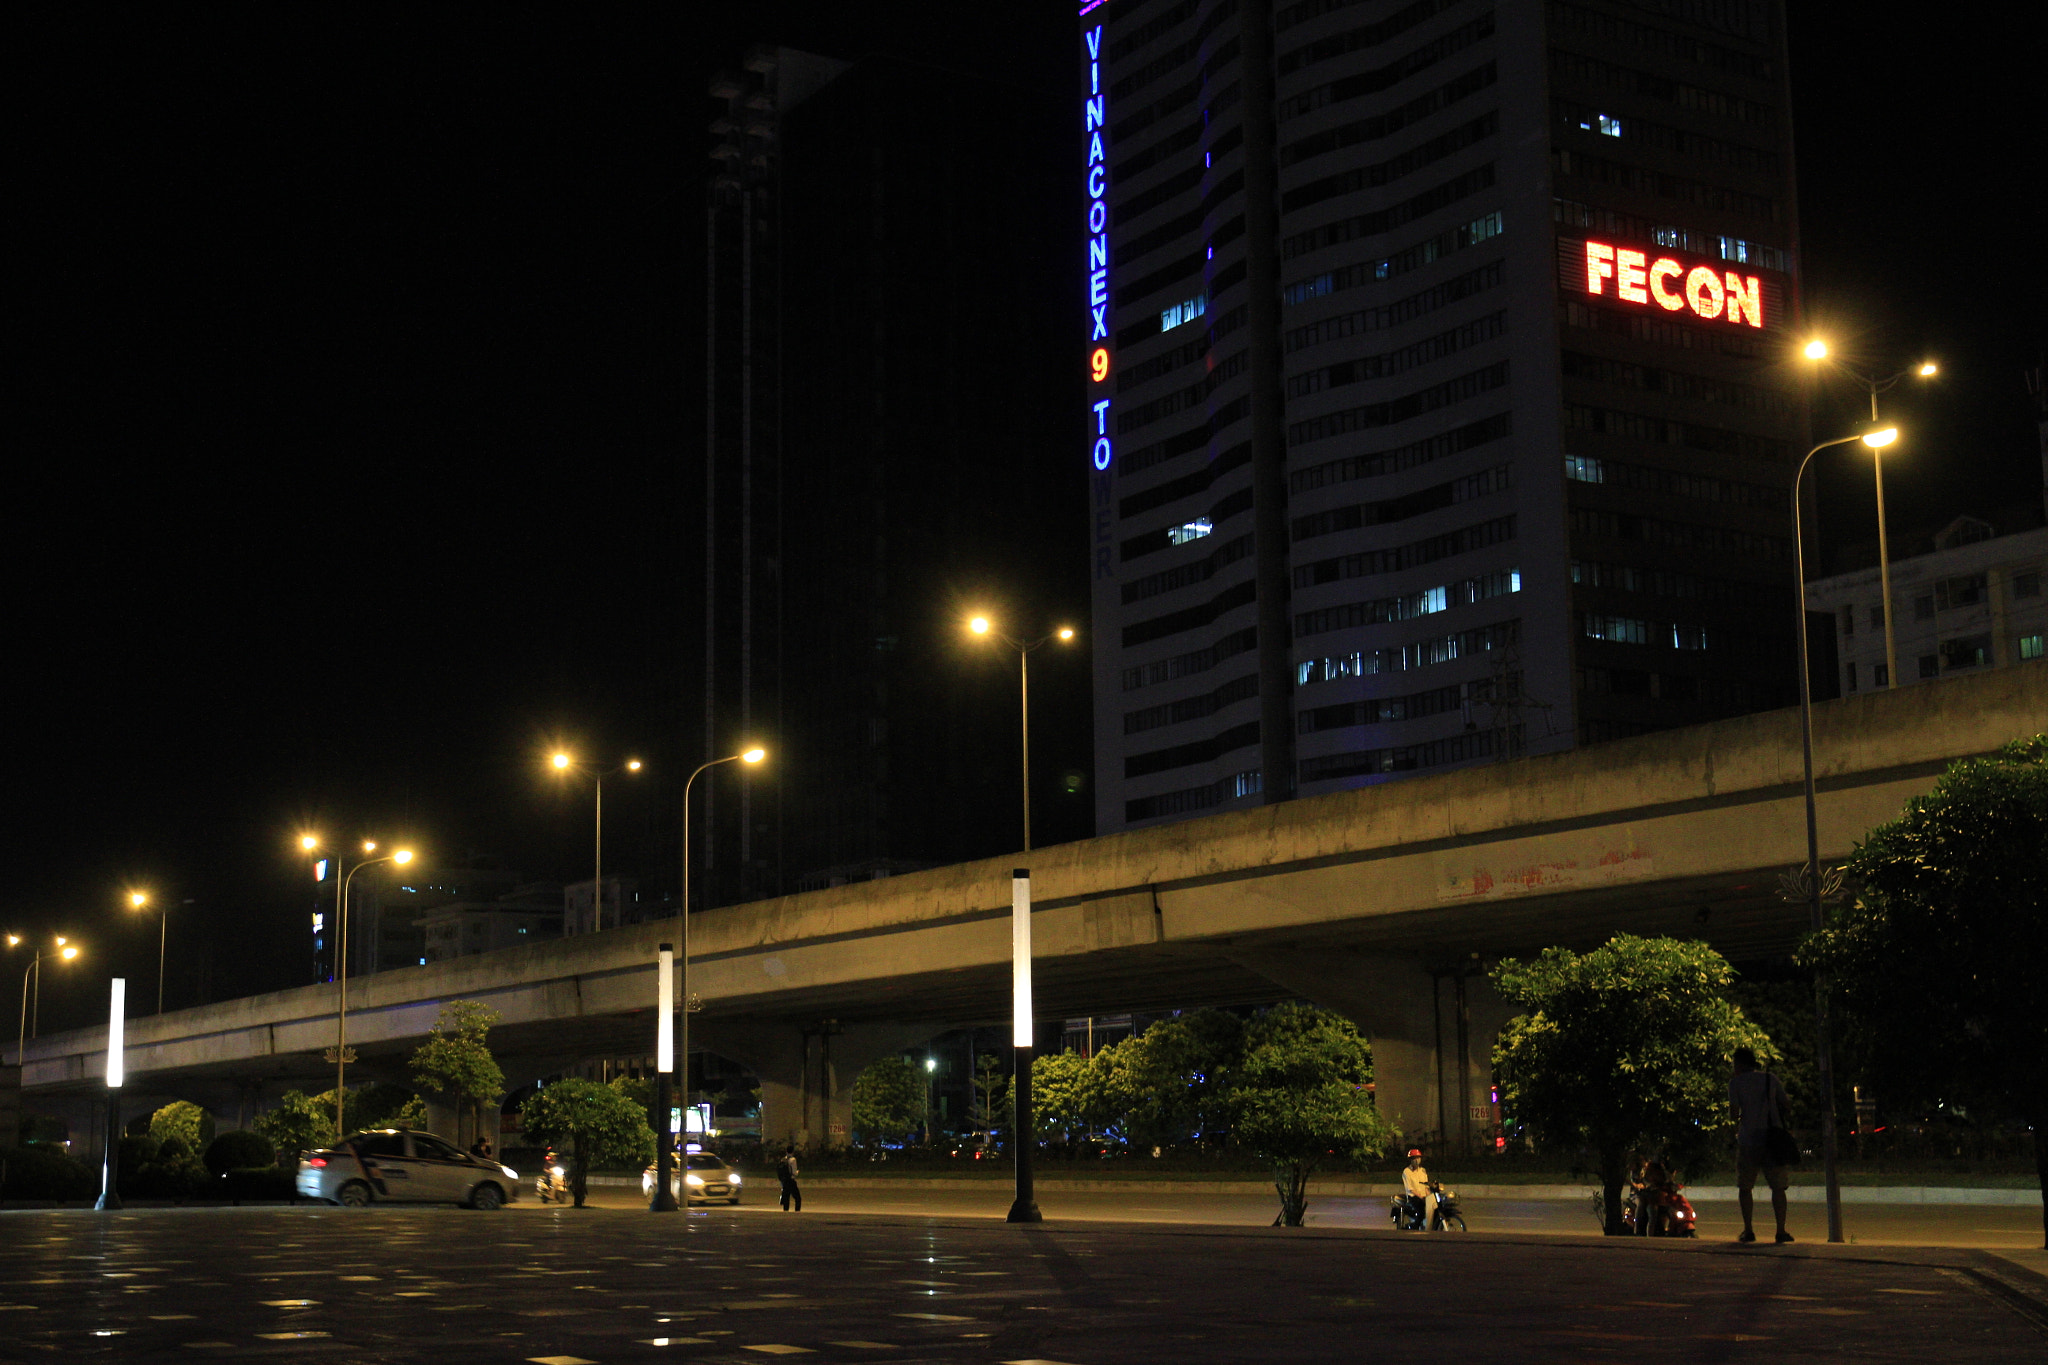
1438,408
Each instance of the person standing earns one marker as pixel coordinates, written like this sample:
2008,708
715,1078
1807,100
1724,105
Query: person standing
1758,1101
785,1172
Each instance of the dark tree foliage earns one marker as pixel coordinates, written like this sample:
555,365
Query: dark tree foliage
1938,960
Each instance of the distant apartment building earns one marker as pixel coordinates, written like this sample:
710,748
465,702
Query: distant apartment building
466,928
389,910
1973,601
1434,407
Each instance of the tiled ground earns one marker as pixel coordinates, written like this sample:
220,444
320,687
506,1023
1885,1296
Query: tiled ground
561,1286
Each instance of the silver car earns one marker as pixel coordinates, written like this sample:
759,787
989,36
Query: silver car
702,1175
394,1165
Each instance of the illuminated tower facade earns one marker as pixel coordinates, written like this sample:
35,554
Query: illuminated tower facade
1438,409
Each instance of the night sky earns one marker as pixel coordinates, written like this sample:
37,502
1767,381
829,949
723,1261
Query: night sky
357,429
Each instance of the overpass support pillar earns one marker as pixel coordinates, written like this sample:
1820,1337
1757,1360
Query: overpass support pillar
807,1069
1432,1027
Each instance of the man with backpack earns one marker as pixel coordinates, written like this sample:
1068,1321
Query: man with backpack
1758,1099
785,1172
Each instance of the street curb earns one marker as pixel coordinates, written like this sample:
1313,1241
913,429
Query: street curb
1349,1189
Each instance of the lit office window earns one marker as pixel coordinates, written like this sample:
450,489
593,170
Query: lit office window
1584,469
1187,531
1609,126
2030,646
1173,317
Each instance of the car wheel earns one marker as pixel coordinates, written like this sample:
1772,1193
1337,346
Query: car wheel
354,1195
487,1197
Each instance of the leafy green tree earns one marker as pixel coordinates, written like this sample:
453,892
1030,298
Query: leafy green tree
888,1100
1621,1049
1938,959
456,1057
1298,1096
300,1122
1061,1097
595,1124
1168,1084
185,1121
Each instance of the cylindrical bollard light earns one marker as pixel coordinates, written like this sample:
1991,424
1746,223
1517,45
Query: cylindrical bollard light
117,1073
664,1200
1025,1208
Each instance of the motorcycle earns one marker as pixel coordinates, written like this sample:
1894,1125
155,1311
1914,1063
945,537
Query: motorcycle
550,1186
1442,1210
1668,1211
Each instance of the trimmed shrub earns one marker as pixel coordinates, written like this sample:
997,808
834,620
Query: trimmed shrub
239,1149
183,1119
174,1148
179,1177
43,1173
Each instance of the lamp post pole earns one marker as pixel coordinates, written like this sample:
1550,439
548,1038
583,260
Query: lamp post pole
1024,1209
753,755
32,1005
1818,350
981,625
1823,1054
664,1200
597,777
110,1196
340,1056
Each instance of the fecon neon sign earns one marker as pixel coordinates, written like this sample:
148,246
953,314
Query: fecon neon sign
1705,291
1097,172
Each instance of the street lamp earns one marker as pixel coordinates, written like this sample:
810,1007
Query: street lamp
32,1006
1817,350
981,625
563,763
340,1054
1876,439
139,900
748,756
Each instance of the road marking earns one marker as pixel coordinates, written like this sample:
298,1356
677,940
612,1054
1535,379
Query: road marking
291,1303
776,1350
560,1360
301,1336
1933,1293
936,1317
172,1317
864,1345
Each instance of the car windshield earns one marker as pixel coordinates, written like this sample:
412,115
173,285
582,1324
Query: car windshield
433,1149
701,1162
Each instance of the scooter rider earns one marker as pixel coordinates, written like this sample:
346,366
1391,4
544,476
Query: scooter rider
1415,1191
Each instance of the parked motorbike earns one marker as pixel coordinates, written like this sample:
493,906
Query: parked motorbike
1668,1211
1441,1208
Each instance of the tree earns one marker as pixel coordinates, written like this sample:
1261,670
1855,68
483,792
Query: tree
300,1122
1625,1048
989,1086
1937,960
1298,1096
456,1058
185,1121
597,1125
1167,1084
888,1100
1064,1098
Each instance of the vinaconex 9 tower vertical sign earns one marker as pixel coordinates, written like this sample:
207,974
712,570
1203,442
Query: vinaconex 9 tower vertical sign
1097,172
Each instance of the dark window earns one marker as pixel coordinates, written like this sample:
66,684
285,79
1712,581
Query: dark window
389,1145
1849,671
433,1149
1849,622
1923,609
1930,665
2027,584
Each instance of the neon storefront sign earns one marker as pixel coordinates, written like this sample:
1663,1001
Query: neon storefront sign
1096,173
1673,284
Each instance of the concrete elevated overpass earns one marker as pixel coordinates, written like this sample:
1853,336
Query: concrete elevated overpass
1384,903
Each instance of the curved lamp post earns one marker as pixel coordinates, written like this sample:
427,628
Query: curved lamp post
64,951
139,900
1817,350
1823,1055
564,763
664,1099
982,626
340,1054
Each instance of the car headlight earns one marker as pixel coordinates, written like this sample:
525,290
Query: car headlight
510,1174
734,1178
693,1180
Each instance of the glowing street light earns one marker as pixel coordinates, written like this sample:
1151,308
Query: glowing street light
64,950
139,900
340,1054
664,1098
981,625
1875,439
1817,350
563,762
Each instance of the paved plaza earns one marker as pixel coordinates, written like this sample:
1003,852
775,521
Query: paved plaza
560,1286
